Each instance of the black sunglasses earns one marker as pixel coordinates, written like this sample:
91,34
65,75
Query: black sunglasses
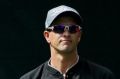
63,28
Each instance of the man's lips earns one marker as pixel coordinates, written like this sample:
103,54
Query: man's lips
66,41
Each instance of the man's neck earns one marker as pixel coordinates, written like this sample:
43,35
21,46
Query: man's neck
63,63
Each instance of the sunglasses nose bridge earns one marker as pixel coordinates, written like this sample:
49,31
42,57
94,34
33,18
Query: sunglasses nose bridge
66,28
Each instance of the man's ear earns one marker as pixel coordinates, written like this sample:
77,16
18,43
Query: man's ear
46,35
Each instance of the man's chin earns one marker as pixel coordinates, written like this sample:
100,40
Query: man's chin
65,49
66,46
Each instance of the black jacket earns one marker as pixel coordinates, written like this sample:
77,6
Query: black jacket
84,69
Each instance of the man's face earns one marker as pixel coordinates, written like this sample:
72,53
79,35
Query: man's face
66,41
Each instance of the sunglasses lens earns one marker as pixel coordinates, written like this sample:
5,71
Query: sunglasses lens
73,29
59,28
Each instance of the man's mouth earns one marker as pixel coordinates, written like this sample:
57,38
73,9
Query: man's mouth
66,41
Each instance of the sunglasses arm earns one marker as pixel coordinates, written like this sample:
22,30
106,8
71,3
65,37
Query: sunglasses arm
50,28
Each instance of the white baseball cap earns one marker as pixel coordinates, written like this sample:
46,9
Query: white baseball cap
53,13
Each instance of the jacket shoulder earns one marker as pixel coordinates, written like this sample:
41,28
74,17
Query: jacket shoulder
100,70
33,74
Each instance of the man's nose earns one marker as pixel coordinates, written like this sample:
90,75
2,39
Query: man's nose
66,33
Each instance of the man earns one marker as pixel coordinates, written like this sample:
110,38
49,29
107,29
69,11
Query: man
63,33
